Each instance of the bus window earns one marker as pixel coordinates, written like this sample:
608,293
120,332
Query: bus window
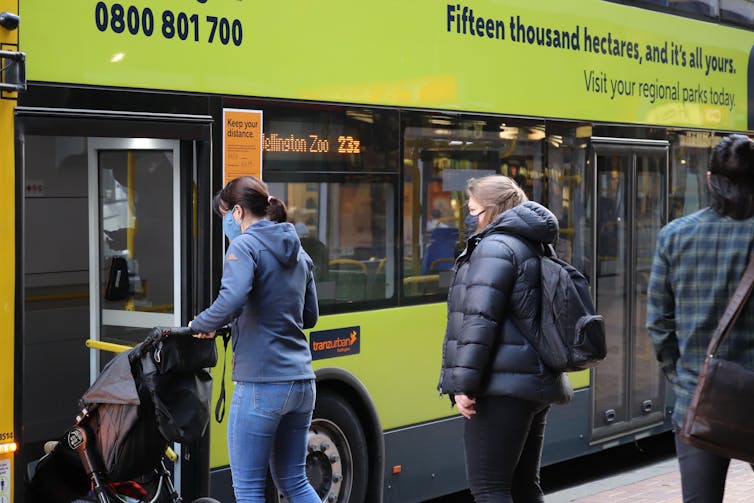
336,170
688,172
565,184
441,153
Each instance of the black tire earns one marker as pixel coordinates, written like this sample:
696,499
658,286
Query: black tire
337,462
205,500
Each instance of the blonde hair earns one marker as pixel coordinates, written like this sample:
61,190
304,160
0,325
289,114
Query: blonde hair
496,194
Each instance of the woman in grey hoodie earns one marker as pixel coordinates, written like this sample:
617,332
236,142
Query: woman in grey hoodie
268,293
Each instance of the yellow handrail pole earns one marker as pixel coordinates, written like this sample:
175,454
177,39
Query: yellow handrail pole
106,346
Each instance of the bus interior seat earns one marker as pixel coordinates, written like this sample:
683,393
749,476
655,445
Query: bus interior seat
350,278
442,245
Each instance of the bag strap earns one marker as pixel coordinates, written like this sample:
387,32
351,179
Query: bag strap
220,406
734,308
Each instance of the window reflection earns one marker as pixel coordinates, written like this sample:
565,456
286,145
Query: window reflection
137,223
441,153
688,177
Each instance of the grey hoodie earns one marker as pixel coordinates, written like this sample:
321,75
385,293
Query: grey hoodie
268,291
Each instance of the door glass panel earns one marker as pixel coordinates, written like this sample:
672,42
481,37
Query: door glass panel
610,385
649,216
134,237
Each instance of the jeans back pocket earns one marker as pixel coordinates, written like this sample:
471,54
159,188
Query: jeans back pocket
272,397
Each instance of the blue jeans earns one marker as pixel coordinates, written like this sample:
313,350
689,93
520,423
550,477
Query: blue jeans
268,424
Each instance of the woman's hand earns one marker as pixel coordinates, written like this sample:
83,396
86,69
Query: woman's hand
465,405
203,335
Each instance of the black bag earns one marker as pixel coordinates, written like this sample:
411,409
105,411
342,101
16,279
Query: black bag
182,404
179,385
184,354
719,418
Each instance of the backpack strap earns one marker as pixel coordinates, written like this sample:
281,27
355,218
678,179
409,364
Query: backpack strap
220,406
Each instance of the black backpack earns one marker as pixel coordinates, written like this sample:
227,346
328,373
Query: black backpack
572,334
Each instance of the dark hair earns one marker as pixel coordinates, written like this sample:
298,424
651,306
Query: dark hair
251,194
731,180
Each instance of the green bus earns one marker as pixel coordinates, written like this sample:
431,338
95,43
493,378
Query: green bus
121,120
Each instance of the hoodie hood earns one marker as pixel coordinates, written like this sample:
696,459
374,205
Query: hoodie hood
280,240
529,220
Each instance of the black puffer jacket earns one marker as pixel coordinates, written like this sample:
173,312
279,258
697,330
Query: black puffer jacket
493,302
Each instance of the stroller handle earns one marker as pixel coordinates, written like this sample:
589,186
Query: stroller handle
160,332
173,331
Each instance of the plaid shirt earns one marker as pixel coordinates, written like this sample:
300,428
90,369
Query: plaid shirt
699,261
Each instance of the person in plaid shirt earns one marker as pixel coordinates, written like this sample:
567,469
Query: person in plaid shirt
698,263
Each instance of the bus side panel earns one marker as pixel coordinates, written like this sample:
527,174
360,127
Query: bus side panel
8,41
424,461
568,428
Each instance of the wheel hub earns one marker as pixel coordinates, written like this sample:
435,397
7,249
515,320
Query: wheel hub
324,465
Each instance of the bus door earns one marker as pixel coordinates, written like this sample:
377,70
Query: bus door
134,239
629,211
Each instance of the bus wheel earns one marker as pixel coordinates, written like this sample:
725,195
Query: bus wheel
337,459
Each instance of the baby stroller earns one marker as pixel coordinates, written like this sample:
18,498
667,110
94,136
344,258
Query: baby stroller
153,394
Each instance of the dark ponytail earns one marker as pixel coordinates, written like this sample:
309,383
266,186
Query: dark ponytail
276,210
251,194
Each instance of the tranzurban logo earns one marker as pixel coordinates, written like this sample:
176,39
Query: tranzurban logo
336,342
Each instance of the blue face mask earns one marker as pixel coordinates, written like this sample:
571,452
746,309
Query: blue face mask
231,228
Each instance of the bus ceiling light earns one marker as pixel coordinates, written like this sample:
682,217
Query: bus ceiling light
8,20
7,447
509,133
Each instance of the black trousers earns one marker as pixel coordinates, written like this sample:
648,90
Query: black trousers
503,446
703,473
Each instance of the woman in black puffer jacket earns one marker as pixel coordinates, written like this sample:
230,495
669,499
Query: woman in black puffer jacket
489,369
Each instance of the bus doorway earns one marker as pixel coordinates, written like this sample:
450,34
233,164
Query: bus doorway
630,209
109,251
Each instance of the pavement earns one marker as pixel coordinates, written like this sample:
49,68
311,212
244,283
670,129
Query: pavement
656,483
